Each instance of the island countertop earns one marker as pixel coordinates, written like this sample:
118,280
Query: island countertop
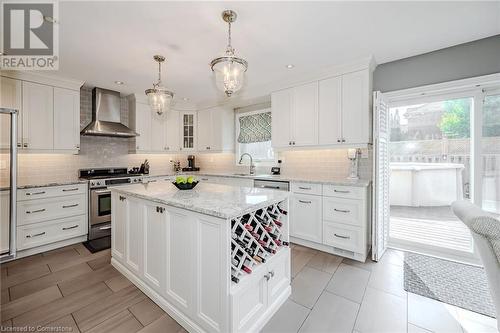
212,199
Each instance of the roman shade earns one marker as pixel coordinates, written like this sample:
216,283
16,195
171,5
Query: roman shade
255,128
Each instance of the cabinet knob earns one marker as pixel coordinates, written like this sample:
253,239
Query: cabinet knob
77,146
338,140
25,145
19,145
343,140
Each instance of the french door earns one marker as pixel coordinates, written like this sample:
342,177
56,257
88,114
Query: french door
430,150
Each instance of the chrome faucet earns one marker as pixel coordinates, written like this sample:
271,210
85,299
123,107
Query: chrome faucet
252,166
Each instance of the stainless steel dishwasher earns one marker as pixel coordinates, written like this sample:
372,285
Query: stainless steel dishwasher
272,184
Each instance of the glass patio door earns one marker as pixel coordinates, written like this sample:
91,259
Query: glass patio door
431,167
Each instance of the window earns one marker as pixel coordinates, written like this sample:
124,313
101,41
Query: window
253,135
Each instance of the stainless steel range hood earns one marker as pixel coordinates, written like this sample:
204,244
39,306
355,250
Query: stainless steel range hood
106,116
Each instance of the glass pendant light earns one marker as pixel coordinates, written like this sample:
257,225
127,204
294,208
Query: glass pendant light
229,70
160,99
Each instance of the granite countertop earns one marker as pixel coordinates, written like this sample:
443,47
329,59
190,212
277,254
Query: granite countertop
212,199
302,178
46,184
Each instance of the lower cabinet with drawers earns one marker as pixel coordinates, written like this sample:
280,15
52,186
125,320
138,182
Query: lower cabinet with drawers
331,218
51,217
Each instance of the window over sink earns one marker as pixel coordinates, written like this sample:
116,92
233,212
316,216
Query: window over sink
253,135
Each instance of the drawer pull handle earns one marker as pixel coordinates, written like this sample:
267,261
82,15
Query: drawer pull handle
35,211
105,228
35,235
70,206
72,227
304,201
341,210
304,188
204,179
122,198
35,193
343,237
70,189
267,276
339,191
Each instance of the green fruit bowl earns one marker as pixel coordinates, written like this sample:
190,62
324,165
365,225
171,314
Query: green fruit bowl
186,186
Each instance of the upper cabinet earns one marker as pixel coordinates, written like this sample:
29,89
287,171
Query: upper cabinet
11,97
49,113
66,119
215,130
333,111
188,130
295,116
173,132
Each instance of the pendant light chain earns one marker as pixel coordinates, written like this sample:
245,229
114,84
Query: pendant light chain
159,73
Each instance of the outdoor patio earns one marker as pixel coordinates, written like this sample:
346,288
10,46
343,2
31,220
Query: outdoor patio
432,226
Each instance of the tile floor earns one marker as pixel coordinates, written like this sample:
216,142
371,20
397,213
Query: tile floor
73,288
331,294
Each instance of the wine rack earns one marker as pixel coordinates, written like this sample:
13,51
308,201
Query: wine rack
255,237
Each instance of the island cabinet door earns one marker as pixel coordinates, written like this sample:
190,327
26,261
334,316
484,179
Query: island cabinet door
279,275
179,281
154,263
134,236
212,274
118,225
305,217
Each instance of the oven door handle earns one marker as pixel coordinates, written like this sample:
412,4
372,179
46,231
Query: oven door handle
102,191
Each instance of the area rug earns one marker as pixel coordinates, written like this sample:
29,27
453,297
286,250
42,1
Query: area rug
447,281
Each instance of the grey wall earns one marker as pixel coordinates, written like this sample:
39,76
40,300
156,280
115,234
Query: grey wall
480,57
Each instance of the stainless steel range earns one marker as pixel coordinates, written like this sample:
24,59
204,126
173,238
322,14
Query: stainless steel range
100,196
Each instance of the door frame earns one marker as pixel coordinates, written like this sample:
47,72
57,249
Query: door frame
477,88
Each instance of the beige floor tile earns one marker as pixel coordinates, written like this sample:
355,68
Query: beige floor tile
63,306
367,265
57,266
123,322
287,319
69,286
146,311
381,312
389,278
392,256
163,325
331,313
101,262
81,249
29,302
22,276
118,283
349,282
308,286
300,257
103,309
46,281
432,315
325,262
5,296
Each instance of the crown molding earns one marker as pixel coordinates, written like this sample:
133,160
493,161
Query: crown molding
42,78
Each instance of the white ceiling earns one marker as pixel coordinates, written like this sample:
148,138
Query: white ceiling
101,42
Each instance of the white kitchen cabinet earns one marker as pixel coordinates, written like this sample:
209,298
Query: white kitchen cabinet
120,213
66,119
305,222
10,97
330,111
188,133
295,116
154,241
141,123
356,119
158,134
281,110
305,115
215,130
38,116
4,221
134,237
172,143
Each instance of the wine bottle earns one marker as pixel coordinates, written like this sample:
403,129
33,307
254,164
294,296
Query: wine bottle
285,243
259,258
234,279
235,262
278,223
246,269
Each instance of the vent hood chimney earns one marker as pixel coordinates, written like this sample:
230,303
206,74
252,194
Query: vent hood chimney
106,116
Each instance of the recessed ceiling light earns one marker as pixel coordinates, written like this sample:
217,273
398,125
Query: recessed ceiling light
119,82
185,99
290,66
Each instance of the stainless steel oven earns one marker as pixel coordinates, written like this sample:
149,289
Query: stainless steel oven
100,208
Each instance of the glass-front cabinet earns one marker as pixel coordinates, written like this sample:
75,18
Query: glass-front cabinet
188,130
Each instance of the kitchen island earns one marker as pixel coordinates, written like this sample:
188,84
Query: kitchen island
215,258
